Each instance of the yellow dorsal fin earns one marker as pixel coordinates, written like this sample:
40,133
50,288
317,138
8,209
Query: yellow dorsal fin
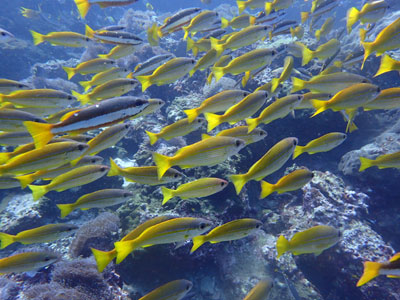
67,115
395,257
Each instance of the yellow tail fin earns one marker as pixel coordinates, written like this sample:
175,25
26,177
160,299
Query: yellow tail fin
387,64
197,242
205,136
70,72
368,49
38,191
163,163
246,78
224,23
145,81
186,30
37,37
123,250
167,194
307,55
266,189
304,17
65,209
4,157
268,8
114,169
298,151
252,20
152,136
363,34
192,114
83,7
274,84
239,181
82,98
103,258
40,132
241,6
219,47
352,18
318,34
371,270
103,55
252,124
319,105
152,36
86,84
298,84
189,44
213,121
26,179
282,245
365,163
6,239
89,32
218,73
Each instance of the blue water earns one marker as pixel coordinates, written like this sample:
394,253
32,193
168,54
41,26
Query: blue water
363,206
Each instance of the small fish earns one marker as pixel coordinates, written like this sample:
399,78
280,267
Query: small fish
371,12
50,156
15,139
297,31
245,63
63,38
151,64
287,70
270,20
326,28
295,49
103,114
313,240
330,83
391,160
167,73
154,105
388,64
276,110
245,37
103,258
76,177
241,21
113,28
173,290
105,76
144,175
252,4
230,231
277,5
323,51
288,183
322,144
95,65
272,161
105,139
41,98
7,86
222,62
27,261
389,268
98,199
113,37
5,36
208,152
241,132
119,51
282,27
306,103
209,59
30,13
387,39
387,99
110,89
217,103
260,291
201,45
199,188
11,120
171,231
319,10
84,5
7,182
200,22
244,109
179,128
349,98
43,234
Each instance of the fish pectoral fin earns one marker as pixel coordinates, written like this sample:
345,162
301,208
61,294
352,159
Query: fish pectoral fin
145,246
214,242
393,276
317,253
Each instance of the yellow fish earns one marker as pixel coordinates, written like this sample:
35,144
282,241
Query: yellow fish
252,4
105,76
288,183
388,64
374,269
391,160
64,38
230,231
313,240
173,290
95,65
387,99
202,187
260,291
322,144
200,22
207,152
27,261
119,51
241,21
277,5
241,132
371,12
323,51
326,28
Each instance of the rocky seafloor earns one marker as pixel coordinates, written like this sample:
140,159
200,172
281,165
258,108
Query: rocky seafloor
362,205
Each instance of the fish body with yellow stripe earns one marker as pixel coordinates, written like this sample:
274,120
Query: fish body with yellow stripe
27,261
173,290
84,5
62,38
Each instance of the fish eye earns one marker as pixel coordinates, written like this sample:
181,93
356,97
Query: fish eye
312,175
273,53
126,70
69,229
112,62
216,14
203,225
176,175
261,133
46,258
126,195
102,169
299,97
20,86
3,33
344,136
159,102
339,233
258,226
265,27
188,287
133,82
87,39
238,143
364,81
193,61
93,161
126,126
37,120
199,120
80,147
222,183
295,142
378,89
70,98
244,94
